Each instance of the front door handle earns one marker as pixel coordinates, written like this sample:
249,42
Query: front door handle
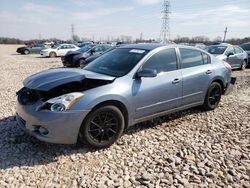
176,81
209,72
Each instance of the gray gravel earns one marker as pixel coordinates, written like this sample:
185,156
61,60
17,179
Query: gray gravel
192,148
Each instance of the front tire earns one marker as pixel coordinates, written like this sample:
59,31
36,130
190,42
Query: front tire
52,54
102,127
213,96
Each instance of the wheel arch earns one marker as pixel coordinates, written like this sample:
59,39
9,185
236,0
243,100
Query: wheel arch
121,106
221,82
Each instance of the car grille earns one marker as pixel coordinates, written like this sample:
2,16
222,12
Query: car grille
27,96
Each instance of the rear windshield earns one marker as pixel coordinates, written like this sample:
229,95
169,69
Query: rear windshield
117,62
245,47
216,49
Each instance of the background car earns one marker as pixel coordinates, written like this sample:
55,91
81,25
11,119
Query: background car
246,47
125,86
59,50
234,55
78,58
32,49
70,54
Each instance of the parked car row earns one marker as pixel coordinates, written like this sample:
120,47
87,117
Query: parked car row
78,58
126,85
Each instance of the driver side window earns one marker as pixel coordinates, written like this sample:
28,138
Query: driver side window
163,61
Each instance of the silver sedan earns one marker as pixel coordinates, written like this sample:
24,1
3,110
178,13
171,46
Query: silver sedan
128,85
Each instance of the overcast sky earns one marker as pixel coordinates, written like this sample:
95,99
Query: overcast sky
27,19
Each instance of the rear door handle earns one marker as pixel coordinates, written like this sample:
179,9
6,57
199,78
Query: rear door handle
209,72
176,81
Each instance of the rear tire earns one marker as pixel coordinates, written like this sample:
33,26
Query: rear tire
52,54
26,52
213,96
102,127
244,65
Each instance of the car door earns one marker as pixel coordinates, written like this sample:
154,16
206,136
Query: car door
231,57
239,55
32,49
197,73
160,93
62,50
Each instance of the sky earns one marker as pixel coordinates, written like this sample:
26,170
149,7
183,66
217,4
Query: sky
27,19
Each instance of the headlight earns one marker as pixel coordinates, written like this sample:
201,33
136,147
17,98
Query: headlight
64,102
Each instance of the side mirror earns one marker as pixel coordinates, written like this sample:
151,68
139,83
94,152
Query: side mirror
147,73
230,54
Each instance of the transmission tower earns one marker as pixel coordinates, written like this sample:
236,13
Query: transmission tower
165,28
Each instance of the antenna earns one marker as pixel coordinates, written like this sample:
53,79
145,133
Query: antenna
165,28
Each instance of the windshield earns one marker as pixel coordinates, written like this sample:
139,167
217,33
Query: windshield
84,49
117,62
55,46
245,47
216,49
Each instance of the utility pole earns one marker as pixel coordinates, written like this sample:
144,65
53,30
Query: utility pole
72,30
141,37
225,34
165,28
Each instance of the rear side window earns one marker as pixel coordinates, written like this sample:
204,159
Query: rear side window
245,47
190,58
206,58
238,50
162,61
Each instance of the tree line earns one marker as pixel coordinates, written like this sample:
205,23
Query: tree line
197,39
5,40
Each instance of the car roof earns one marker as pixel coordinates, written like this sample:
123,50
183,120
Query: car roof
152,46
148,46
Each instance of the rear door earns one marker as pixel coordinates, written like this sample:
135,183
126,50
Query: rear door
161,93
196,75
239,53
231,57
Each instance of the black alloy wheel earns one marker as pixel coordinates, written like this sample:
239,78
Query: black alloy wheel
213,96
102,127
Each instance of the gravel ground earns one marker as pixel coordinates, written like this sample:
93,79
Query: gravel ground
192,148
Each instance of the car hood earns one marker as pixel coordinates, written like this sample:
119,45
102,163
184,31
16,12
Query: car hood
73,53
49,79
220,56
23,47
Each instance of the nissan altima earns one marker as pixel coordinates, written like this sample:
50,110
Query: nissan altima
127,85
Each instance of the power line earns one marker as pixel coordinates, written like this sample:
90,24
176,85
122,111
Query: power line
165,28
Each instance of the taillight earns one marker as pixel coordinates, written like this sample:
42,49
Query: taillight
228,66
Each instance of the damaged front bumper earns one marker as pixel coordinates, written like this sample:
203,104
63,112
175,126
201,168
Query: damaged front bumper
230,86
48,126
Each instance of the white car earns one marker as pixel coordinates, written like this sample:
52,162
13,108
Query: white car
59,50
